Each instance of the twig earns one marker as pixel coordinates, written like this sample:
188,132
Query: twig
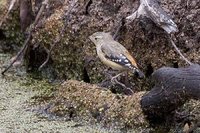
178,51
26,44
121,23
12,3
58,38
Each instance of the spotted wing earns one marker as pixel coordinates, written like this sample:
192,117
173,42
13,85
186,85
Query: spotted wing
117,55
121,56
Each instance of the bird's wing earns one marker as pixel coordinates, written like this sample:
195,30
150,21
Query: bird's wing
118,54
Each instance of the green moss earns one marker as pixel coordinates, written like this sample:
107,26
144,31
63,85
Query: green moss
11,29
67,54
45,89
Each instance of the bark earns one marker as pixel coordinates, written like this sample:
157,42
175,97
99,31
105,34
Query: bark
173,87
26,16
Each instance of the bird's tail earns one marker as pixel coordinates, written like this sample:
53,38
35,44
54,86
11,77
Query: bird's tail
139,73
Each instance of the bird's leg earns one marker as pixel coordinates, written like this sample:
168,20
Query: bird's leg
114,80
106,82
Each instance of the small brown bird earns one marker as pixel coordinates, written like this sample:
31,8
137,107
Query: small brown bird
114,55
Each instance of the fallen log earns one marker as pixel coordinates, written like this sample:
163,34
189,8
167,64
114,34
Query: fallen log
173,87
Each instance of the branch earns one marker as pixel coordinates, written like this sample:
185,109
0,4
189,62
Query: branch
178,51
26,43
153,10
119,27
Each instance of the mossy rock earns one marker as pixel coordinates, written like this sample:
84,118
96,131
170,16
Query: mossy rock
11,35
89,102
150,48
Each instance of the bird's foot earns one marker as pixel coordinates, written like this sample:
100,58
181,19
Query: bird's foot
115,81
105,83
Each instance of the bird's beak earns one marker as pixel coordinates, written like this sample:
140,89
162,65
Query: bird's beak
90,37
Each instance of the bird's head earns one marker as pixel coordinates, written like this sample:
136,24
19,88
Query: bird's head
98,37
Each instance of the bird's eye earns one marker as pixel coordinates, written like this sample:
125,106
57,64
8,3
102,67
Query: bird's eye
95,38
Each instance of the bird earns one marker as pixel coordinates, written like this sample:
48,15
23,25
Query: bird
114,55
153,10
